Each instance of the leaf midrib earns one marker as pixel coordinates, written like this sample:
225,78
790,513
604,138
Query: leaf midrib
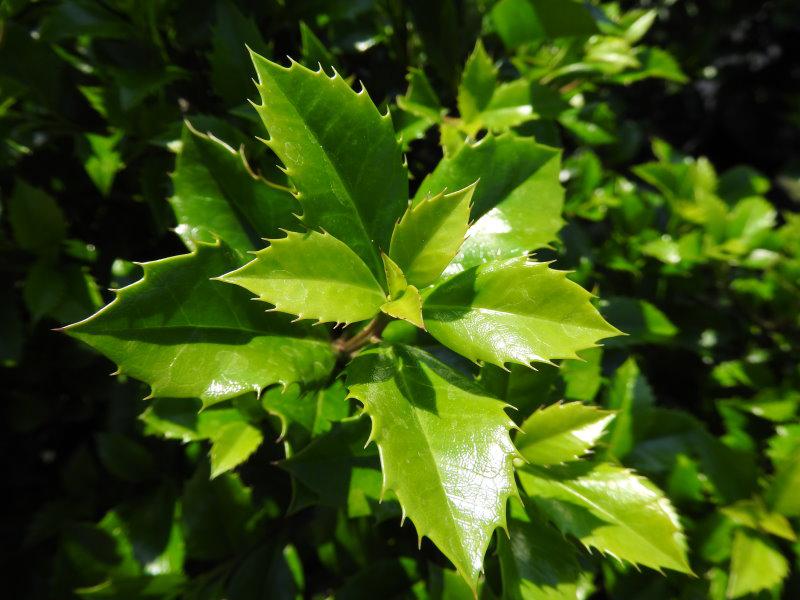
451,517
461,308
349,193
614,519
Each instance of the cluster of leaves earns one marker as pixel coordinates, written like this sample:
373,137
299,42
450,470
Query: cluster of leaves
412,352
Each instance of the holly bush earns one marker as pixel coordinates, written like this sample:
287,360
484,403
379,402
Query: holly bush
479,332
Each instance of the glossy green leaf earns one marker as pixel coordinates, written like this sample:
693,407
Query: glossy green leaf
478,82
37,222
641,320
314,51
339,469
513,311
218,515
429,235
188,336
232,34
232,445
407,307
314,276
346,165
313,411
516,207
756,564
611,509
561,432
218,197
536,561
182,419
630,395
756,516
444,447
420,98
782,493
104,160
583,377
395,278
516,22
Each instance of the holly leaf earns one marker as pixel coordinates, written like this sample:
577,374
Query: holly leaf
517,204
218,197
478,82
232,445
339,469
182,419
536,562
444,447
513,311
395,278
756,564
314,276
313,411
782,492
561,432
188,336
430,233
232,33
37,222
611,509
420,98
407,307
341,162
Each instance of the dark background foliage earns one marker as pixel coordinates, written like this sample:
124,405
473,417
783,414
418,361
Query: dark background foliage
71,445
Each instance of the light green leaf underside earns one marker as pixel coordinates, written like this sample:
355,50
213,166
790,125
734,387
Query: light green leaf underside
756,564
407,307
216,196
561,433
516,207
513,311
430,233
346,163
232,445
536,562
314,276
188,336
611,509
444,446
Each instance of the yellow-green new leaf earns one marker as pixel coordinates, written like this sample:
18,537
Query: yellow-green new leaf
430,233
339,152
314,276
513,311
217,197
756,564
478,83
444,447
232,445
516,207
561,432
536,561
191,337
407,307
395,278
611,509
